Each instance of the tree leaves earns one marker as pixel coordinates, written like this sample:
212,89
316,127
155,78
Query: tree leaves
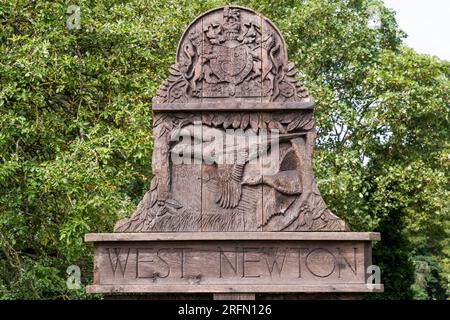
76,134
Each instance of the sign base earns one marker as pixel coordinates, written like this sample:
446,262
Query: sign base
232,262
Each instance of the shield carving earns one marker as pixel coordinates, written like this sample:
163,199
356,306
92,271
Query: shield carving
231,64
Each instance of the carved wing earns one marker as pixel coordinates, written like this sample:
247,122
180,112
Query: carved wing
230,189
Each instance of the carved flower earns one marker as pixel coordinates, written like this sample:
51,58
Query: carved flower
245,87
286,90
176,92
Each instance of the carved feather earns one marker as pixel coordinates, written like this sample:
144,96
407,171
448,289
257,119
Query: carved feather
230,189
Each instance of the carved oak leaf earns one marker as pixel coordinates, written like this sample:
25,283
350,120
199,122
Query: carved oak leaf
162,93
227,122
275,125
301,122
206,119
166,128
266,117
290,70
175,72
153,193
308,218
157,120
301,90
254,121
324,216
218,119
262,123
174,88
173,207
245,121
237,120
286,121
301,219
318,213
294,124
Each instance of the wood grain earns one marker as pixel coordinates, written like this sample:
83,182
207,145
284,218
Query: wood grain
235,106
233,229
212,236
108,289
230,265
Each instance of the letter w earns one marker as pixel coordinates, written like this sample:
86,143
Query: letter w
274,256
117,261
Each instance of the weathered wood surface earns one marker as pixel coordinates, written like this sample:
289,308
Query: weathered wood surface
234,296
233,208
349,288
235,106
213,236
275,190
171,263
232,77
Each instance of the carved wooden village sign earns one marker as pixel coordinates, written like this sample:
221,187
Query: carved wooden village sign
233,206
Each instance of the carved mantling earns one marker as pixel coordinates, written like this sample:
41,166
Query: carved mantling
233,54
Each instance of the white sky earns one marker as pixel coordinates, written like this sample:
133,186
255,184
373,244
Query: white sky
427,23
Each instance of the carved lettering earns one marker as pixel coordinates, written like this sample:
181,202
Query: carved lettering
163,272
183,261
272,255
245,261
301,255
320,262
206,262
223,255
343,262
118,262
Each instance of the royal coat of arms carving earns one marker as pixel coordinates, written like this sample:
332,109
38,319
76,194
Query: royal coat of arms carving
232,89
231,53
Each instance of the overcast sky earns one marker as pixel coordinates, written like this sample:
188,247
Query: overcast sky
427,23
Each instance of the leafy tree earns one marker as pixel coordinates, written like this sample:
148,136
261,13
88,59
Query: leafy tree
75,130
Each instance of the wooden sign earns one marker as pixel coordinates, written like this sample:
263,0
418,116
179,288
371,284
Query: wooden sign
232,262
234,136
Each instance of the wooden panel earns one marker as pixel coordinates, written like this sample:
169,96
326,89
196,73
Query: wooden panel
234,296
234,288
251,205
235,106
231,266
186,189
281,184
211,236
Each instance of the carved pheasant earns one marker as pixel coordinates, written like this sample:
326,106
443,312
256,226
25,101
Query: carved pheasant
212,151
229,188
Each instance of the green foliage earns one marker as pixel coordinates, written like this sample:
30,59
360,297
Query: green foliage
75,130
392,255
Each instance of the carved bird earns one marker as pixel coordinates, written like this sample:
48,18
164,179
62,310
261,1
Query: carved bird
214,151
230,189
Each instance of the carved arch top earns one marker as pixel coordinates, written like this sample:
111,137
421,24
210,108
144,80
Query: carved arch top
233,54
